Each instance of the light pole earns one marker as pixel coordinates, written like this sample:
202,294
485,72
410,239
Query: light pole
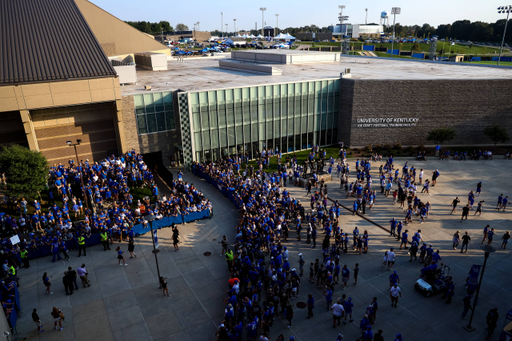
150,219
487,249
221,23
277,24
263,9
198,26
394,11
234,24
69,143
226,30
366,17
341,18
504,9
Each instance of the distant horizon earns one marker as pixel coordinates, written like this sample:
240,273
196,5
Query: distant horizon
302,13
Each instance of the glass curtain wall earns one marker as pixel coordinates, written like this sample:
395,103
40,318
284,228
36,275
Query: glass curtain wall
287,117
154,112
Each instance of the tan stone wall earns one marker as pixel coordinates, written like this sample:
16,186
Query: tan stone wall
57,94
130,123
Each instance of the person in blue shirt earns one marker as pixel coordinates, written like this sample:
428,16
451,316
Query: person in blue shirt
328,296
311,305
404,240
345,276
348,305
393,223
393,278
55,249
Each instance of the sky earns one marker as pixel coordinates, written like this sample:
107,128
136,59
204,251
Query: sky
298,13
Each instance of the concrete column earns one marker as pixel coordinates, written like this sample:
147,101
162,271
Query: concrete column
29,130
119,125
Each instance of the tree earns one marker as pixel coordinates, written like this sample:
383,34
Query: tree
181,27
496,133
26,171
441,135
415,47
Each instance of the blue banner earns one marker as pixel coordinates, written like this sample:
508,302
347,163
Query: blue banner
138,230
17,298
13,317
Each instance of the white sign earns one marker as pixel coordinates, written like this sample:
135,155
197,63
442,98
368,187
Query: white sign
15,240
386,122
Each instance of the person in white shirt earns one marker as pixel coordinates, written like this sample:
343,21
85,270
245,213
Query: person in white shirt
337,312
395,293
391,258
421,175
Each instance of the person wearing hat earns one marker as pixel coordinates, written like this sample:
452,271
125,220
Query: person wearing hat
301,264
394,294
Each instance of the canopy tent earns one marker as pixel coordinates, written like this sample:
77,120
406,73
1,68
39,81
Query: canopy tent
259,36
252,36
286,36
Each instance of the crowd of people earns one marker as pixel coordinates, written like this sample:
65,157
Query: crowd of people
264,280
104,205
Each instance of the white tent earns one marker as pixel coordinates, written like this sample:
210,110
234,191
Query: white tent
286,36
252,36
259,36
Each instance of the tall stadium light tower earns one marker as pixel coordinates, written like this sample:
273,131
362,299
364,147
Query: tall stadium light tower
263,9
221,23
366,17
226,29
234,25
502,10
394,11
341,18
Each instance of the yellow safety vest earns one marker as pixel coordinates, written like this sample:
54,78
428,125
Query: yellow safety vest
24,254
81,240
104,236
229,255
13,270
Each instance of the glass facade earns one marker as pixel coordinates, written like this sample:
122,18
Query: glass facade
290,117
154,112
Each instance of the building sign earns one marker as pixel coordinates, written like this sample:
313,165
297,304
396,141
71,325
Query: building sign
386,122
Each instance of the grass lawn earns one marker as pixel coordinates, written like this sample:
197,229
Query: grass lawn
457,48
488,62
140,193
301,156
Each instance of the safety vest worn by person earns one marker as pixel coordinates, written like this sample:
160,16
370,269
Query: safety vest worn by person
13,270
81,240
104,236
229,255
24,254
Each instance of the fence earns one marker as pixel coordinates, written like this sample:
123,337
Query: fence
138,230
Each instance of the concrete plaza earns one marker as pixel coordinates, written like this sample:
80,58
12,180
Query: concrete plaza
124,303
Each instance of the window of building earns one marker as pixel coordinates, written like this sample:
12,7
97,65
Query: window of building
154,112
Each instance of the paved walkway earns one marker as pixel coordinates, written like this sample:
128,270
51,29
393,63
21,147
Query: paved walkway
124,303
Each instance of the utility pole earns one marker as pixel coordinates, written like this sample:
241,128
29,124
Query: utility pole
341,18
277,24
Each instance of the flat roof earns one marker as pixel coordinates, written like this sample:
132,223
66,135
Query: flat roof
203,73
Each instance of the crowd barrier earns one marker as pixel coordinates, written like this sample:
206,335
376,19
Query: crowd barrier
228,192
138,230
